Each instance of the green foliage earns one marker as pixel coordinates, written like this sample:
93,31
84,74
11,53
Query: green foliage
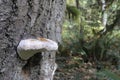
73,12
83,42
83,37
107,73
70,2
92,44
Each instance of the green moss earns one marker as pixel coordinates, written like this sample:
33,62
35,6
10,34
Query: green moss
73,12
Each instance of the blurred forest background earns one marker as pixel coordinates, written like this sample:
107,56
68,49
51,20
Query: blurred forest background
91,41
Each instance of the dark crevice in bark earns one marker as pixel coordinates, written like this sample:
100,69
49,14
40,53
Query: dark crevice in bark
32,62
26,69
29,3
53,0
35,60
14,8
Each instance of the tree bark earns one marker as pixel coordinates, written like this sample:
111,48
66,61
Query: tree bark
23,19
77,4
104,15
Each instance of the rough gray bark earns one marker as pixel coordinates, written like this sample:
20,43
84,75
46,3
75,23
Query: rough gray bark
22,19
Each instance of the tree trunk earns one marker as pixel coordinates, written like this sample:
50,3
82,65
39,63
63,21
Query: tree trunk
77,4
23,19
104,15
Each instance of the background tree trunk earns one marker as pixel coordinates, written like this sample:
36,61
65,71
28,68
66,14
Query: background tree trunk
22,19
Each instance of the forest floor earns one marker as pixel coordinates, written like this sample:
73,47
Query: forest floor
73,68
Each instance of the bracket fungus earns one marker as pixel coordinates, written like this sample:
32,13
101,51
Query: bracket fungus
28,47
